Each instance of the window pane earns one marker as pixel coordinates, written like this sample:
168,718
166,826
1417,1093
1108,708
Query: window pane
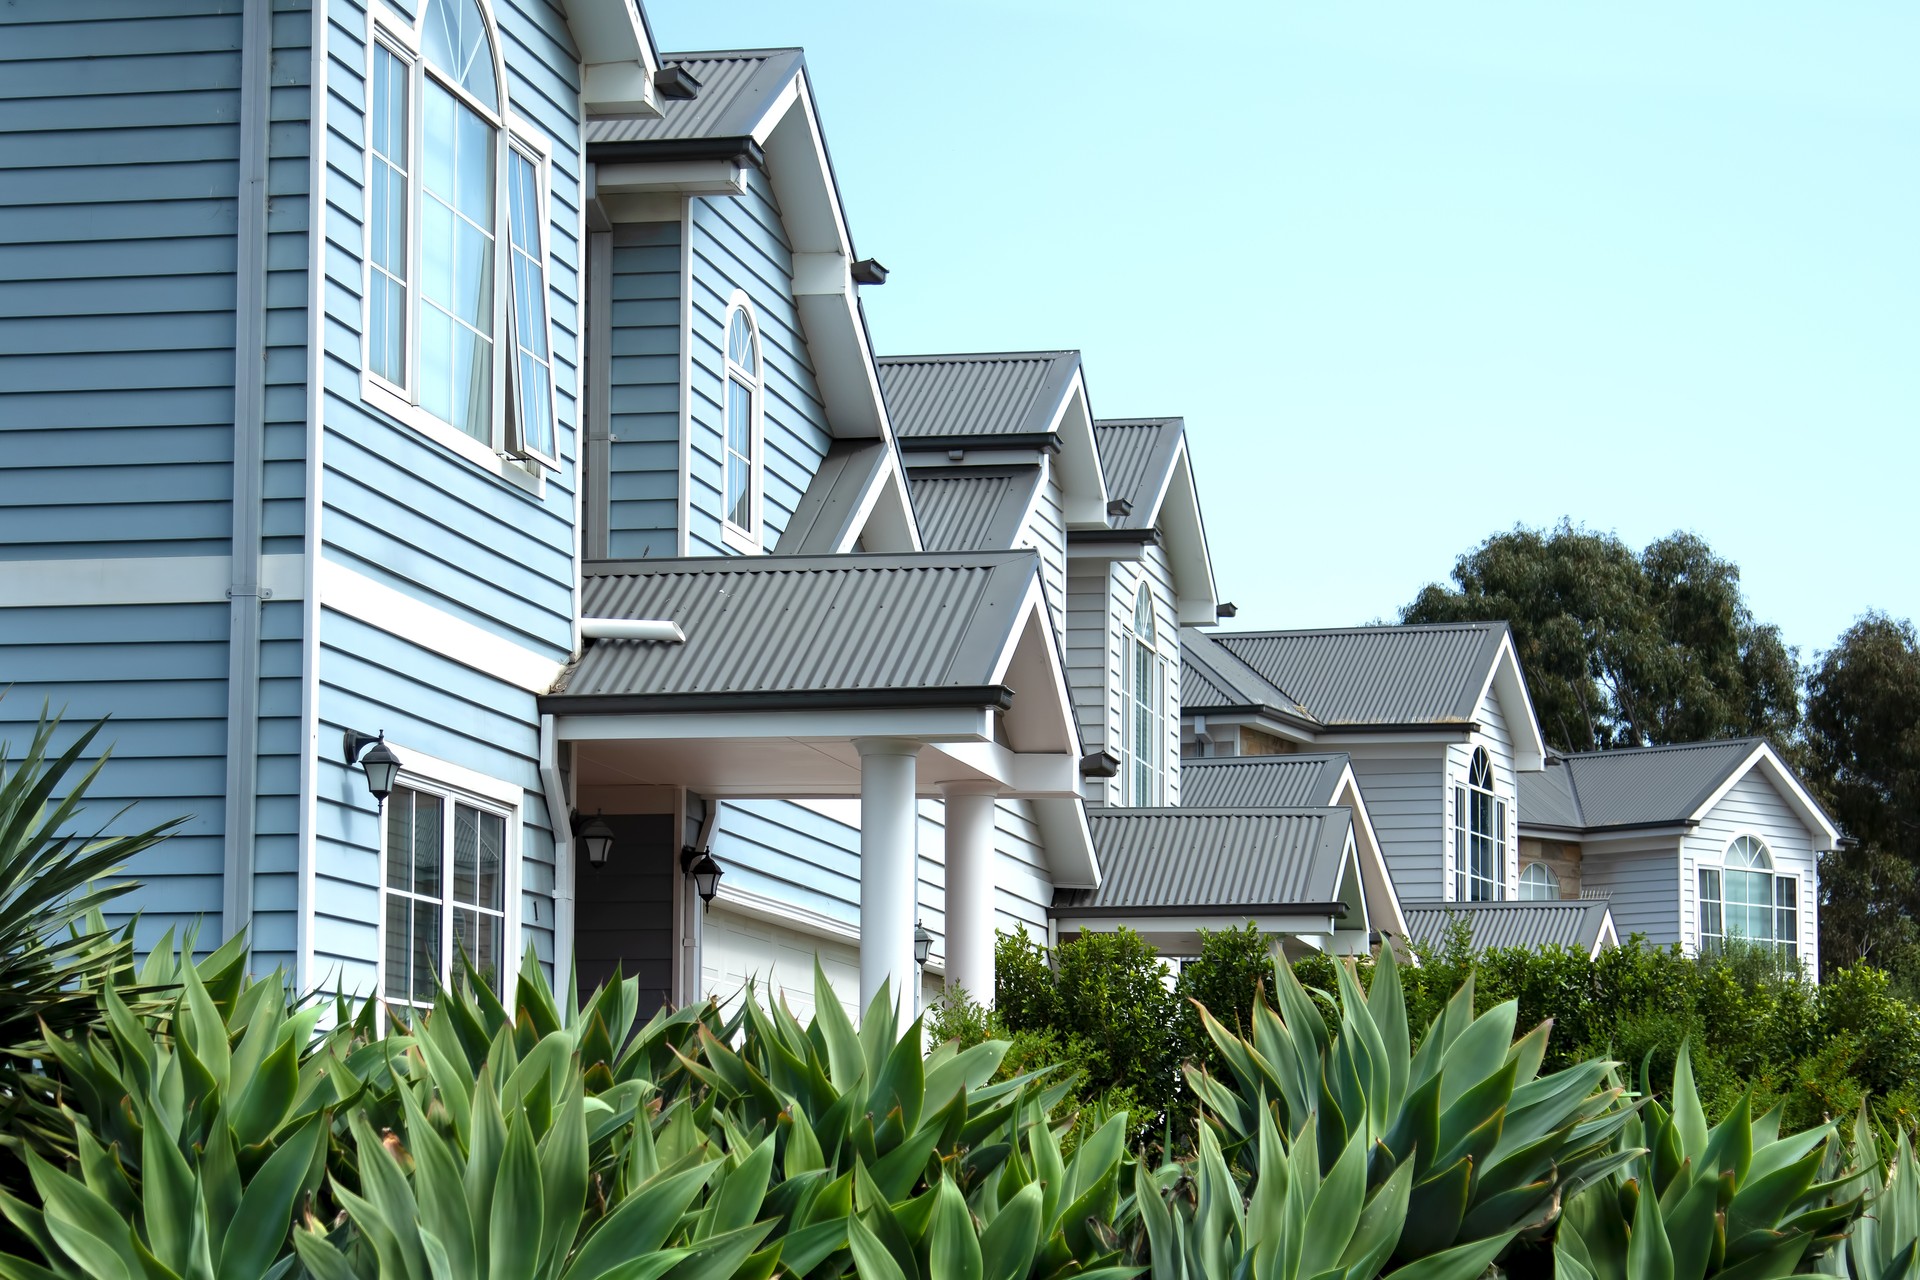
473,277
473,165
437,146
740,344
427,828
436,253
399,981
426,949
492,830
472,384
477,937
400,839
1787,914
455,38
739,505
466,852
436,363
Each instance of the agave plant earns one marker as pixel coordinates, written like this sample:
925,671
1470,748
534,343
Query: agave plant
1490,1145
1733,1200
1885,1242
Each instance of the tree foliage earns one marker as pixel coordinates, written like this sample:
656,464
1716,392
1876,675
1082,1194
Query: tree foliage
1863,756
1623,649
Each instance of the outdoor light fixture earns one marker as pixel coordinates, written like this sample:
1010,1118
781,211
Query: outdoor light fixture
922,943
372,753
595,837
706,872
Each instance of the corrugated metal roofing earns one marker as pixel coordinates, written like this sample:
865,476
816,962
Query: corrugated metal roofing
773,625
1546,797
822,519
972,508
1261,782
1211,676
1136,455
975,394
1377,675
736,88
1218,861
1570,923
1633,786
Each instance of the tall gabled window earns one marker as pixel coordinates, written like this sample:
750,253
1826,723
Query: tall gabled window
1143,771
1479,835
445,344
745,386
1746,898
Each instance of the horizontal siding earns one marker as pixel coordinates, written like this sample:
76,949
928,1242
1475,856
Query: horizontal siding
120,139
643,401
1753,807
166,694
413,515
1046,532
1092,661
1642,885
1407,797
739,243
289,215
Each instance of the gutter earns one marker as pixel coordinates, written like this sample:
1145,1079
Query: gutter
997,697
245,595
1662,824
1338,910
1095,536
559,817
1047,441
742,150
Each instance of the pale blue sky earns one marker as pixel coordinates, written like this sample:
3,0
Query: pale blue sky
1414,272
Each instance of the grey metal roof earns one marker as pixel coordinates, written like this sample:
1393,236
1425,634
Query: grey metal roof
975,394
736,88
1577,923
1627,787
1212,861
971,508
1137,456
883,630
1211,677
1261,782
826,511
1377,675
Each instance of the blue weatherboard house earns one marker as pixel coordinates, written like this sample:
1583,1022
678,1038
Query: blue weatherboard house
444,435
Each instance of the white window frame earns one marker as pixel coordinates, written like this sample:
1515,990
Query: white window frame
1552,882
1718,868
455,784
1152,708
531,142
502,456
1465,833
749,539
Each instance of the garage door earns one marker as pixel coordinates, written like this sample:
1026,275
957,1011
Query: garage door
734,948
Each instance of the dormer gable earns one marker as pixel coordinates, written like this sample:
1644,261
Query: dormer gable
1152,496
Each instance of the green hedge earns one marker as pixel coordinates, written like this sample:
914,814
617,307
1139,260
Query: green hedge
1122,1020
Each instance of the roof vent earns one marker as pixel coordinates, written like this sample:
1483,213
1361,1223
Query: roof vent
869,271
677,83
1119,507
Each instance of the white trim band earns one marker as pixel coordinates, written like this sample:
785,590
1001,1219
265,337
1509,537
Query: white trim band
64,584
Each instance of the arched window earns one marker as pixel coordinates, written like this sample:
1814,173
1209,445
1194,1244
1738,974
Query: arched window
744,386
1479,835
1746,898
1538,883
456,302
1143,773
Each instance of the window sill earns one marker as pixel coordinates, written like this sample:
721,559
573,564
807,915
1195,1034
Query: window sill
740,540
379,394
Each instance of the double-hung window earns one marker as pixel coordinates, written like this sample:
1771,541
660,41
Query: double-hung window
1143,774
456,300
1746,898
443,892
1479,835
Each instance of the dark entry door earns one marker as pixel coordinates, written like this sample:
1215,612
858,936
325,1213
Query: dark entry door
623,911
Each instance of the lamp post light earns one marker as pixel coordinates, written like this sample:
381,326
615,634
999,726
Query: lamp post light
371,752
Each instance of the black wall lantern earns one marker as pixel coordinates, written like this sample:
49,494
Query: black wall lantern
372,753
704,869
594,837
922,943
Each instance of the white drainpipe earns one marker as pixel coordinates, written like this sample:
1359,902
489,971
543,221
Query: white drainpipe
662,629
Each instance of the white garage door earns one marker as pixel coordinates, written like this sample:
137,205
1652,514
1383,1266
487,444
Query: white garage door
734,948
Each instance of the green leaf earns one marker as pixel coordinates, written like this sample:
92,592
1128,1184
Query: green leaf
1008,1244
736,1200
266,1095
1689,1118
953,1247
1462,1262
563,1174
515,1218
871,1259
1649,1255
259,1229
642,1222
83,1224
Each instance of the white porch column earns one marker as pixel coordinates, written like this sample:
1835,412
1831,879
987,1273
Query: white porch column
970,890
889,869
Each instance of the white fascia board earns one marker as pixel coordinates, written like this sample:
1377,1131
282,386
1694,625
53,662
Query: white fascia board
1506,681
1335,738
431,628
618,57
669,177
926,724
1033,775
1083,485
1655,839
1186,535
1766,758
1265,724
1609,937
1030,663
1271,924
1383,902
1068,842
1129,551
